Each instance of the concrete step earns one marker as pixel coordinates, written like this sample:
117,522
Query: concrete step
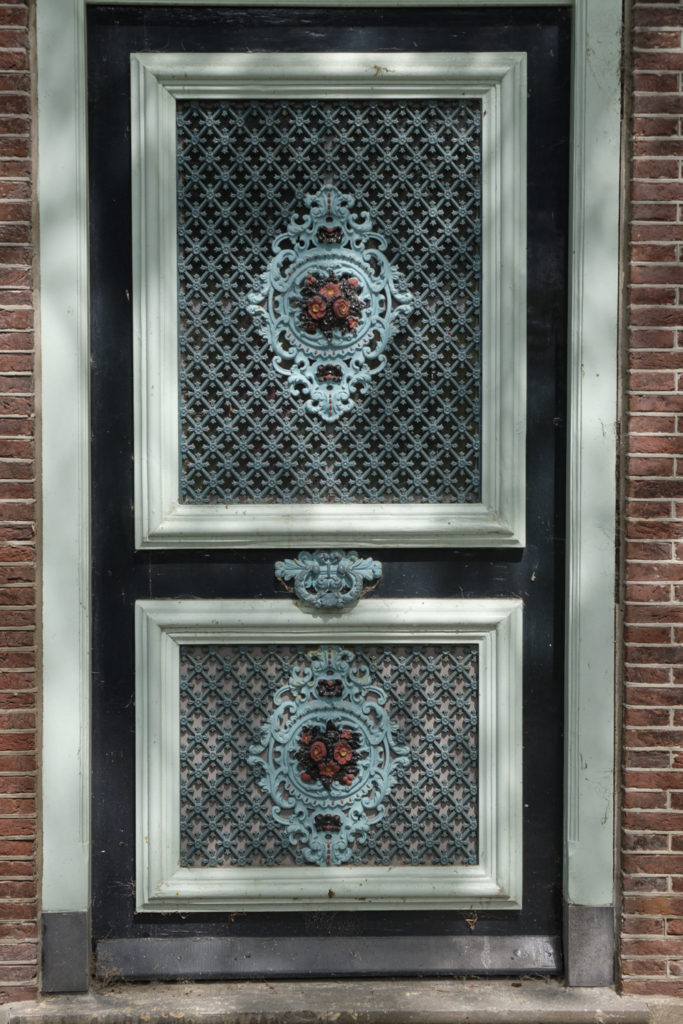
385,1001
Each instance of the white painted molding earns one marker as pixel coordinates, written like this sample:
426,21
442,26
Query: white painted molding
499,81
62,191
591,461
495,882
589,823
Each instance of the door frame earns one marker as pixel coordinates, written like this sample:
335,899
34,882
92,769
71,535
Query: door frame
589,756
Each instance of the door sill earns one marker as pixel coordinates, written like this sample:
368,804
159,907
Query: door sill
407,1001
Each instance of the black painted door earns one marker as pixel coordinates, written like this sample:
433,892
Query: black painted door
319,942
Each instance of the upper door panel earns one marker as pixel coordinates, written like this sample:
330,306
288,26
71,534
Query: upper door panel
329,299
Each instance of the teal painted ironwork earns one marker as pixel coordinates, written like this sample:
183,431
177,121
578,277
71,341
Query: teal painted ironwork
328,755
329,303
229,698
243,169
329,579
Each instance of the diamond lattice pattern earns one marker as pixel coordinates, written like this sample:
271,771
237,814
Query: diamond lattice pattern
226,695
244,169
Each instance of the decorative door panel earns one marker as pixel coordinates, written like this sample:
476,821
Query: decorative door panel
329,299
328,322
287,759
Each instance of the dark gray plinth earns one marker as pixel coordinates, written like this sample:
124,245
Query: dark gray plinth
589,946
66,952
216,958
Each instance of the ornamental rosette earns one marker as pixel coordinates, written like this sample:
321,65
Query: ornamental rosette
329,579
329,303
327,756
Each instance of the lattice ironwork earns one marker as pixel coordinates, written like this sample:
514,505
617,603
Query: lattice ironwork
244,170
253,717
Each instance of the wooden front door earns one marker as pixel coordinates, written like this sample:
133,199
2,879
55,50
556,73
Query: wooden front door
328,343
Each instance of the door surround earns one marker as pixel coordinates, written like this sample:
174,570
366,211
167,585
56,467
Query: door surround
589,862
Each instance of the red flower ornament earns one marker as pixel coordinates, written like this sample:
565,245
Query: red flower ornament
317,307
318,751
341,308
330,291
343,753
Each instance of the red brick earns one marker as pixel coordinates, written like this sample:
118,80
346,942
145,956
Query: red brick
644,798
651,425
645,883
663,253
641,167
670,987
646,841
653,864
653,947
13,60
657,103
18,952
647,212
648,338
655,380
16,762
655,82
640,529
660,821
20,993
17,741
648,613
646,40
14,848
651,592
649,967
653,696
655,466
658,905
663,126
654,403
651,529
654,17
17,868
647,759
652,296
640,926
655,489
650,551
646,635
658,273
652,316
16,319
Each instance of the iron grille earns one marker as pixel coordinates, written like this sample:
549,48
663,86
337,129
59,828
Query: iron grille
244,170
228,695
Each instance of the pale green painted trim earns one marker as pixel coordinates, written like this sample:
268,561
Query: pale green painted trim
590,572
499,80
495,882
591,472
62,189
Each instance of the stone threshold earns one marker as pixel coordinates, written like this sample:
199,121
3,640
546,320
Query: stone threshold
382,1001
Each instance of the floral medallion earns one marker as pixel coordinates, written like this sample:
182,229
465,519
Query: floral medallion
327,756
329,303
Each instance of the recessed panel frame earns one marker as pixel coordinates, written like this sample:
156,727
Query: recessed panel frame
163,626
499,82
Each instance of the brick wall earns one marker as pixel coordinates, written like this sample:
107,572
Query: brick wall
18,908
652,943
